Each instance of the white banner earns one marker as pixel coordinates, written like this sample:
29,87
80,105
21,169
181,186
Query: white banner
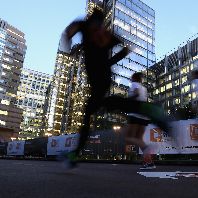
58,144
15,148
185,133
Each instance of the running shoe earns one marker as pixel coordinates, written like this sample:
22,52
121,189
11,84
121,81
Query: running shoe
69,159
148,166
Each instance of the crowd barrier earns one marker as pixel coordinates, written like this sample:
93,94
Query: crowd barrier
183,141
109,143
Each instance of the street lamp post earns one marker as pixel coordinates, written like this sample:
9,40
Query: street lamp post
116,129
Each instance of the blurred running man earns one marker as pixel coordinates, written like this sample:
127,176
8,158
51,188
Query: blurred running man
97,43
134,131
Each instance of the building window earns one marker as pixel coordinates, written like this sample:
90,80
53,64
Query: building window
177,100
186,89
184,79
177,82
3,112
194,95
169,86
162,89
6,102
2,122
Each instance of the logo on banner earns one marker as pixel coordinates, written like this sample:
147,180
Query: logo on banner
194,131
10,147
68,142
156,135
129,148
54,143
18,145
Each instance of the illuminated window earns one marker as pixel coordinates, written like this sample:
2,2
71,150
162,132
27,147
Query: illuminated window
2,122
162,89
3,112
177,82
191,67
194,95
6,102
8,59
6,66
185,89
185,70
177,100
195,57
8,52
157,91
184,79
169,86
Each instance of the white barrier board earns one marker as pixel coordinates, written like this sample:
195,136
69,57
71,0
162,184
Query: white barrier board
185,138
15,148
58,144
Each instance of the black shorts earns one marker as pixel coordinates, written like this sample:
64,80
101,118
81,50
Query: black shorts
135,120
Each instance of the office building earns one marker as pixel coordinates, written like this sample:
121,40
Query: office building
31,98
171,83
134,23
68,93
12,54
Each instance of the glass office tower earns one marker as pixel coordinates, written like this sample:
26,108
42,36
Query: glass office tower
172,86
133,22
31,98
12,55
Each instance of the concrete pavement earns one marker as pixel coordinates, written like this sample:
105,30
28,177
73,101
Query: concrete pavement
49,179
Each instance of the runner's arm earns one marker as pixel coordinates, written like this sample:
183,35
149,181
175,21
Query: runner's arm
74,28
65,40
121,54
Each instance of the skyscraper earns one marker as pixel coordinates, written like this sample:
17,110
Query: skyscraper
12,54
172,86
133,22
68,93
31,98
92,4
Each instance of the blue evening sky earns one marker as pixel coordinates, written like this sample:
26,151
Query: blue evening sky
42,21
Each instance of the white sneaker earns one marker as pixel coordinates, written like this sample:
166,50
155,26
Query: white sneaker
148,166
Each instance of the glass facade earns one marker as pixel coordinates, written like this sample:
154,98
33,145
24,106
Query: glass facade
92,4
31,98
134,22
68,93
172,86
12,54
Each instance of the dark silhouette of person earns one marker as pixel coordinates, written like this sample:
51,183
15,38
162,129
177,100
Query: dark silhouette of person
97,43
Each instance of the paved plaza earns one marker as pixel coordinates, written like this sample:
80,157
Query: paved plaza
49,179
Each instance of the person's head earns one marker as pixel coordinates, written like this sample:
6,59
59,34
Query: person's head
194,74
137,77
96,18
